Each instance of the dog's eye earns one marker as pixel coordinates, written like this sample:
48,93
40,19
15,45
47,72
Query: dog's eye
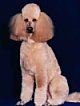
34,20
26,20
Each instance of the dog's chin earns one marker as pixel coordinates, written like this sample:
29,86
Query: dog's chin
30,34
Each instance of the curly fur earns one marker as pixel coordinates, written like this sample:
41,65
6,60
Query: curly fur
37,60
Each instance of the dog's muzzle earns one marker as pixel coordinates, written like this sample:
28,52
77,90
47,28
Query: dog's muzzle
29,29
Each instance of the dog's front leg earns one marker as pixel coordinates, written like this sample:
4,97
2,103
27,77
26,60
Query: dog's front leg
27,89
41,87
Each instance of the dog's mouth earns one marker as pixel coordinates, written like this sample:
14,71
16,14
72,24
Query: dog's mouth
29,30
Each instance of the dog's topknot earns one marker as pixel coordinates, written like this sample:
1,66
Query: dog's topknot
31,10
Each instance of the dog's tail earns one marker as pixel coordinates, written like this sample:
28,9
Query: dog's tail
74,97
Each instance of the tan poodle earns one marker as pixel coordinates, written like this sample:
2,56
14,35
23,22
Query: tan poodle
37,60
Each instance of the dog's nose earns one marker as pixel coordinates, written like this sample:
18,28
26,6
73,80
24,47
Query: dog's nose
30,29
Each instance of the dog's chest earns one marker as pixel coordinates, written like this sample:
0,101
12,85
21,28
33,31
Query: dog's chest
31,54
30,49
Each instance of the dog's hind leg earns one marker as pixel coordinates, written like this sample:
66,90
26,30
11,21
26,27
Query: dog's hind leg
59,90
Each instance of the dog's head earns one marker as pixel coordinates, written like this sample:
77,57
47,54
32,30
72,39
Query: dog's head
31,23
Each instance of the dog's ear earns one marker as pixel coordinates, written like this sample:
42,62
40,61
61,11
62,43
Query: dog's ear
17,27
44,28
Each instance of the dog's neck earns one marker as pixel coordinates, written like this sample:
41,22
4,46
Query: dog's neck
29,40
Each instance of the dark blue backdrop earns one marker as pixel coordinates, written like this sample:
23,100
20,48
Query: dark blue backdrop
66,44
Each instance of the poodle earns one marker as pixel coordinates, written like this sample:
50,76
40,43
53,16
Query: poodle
37,60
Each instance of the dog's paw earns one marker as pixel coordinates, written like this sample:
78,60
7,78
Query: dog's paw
40,97
47,104
20,103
